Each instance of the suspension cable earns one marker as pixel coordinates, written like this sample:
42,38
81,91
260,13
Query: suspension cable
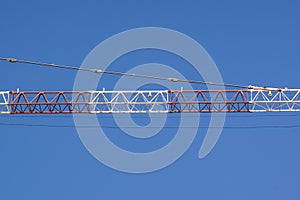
99,71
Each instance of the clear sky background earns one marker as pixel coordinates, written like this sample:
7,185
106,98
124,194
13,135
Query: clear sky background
253,42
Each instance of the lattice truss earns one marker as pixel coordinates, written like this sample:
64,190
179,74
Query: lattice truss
208,101
87,102
151,101
129,101
275,100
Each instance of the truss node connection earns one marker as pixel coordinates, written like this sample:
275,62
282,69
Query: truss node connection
150,101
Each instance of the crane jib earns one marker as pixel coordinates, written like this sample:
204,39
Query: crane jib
149,101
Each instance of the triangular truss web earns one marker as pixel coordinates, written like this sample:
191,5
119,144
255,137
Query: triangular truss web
296,100
237,101
275,101
40,103
261,100
80,102
218,100
159,102
21,103
129,102
3,102
140,102
201,101
120,102
209,101
61,103
100,103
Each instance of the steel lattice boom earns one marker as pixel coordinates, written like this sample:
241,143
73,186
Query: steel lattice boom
151,101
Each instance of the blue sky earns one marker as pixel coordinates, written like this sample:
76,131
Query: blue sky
253,42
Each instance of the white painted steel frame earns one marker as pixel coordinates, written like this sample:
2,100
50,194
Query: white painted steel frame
144,101
274,100
4,100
